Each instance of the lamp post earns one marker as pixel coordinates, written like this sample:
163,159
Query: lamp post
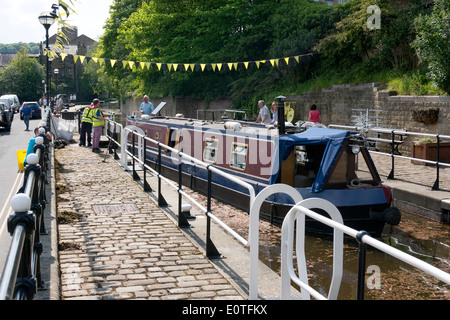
47,19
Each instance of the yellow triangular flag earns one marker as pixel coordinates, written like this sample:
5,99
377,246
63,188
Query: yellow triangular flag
75,58
63,56
131,63
159,65
287,60
213,65
175,67
257,63
148,65
101,61
219,66
82,59
113,62
169,65
297,58
192,65
124,64
142,64
246,65
95,59
186,66
235,65
230,65
203,66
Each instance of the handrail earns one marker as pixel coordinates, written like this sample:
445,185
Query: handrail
21,276
393,132
185,158
299,211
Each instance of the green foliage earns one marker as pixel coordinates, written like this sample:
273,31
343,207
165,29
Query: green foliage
432,43
23,76
32,47
221,31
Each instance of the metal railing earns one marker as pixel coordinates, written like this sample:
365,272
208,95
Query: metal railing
180,158
295,219
392,154
21,277
296,215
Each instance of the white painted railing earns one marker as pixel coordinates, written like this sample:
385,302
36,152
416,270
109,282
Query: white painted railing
294,220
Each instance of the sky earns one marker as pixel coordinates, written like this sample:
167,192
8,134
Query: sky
19,19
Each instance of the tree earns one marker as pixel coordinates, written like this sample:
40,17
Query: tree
23,76
432,43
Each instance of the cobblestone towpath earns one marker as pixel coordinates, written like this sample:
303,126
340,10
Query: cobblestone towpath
115,243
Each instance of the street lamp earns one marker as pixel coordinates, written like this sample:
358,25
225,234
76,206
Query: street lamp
47,19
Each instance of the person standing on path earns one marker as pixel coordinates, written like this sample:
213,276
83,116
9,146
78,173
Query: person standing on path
146,106
98,121
86,127
25,113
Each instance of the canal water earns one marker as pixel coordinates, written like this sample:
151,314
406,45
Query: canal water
386,277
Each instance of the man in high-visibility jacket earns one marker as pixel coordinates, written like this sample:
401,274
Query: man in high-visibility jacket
98,121
86,127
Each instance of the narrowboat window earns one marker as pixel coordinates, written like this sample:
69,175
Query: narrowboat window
210,152
238,156
352,171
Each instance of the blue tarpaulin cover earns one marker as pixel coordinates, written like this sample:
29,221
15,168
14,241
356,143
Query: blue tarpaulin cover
333,139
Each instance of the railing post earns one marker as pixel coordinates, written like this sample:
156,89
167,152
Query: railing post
436,183
211,250
391,174
146,185
182,221
135,175
25,284
361,264
161,201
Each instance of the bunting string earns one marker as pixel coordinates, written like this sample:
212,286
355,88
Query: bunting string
174,67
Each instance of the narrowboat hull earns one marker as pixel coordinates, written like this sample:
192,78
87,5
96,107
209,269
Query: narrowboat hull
361,208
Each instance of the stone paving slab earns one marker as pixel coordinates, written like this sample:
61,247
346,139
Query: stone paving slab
124,252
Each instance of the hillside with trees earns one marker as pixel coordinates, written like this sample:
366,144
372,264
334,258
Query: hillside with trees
409,51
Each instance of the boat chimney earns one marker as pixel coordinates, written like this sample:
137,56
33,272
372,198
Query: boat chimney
281,120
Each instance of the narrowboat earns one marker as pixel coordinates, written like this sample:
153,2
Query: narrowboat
318,162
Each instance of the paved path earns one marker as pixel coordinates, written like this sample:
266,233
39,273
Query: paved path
122,246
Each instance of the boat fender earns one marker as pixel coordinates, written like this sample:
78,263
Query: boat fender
232,125
391,216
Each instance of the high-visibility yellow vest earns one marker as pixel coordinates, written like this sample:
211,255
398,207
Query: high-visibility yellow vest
95,121
87,115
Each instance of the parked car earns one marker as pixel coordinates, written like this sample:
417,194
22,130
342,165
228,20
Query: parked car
35,110
6,116
15,100
9,103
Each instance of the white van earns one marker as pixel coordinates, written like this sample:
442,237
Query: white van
15,100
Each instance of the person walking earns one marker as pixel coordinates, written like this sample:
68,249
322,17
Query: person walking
25,113
86,127
98,121
146,106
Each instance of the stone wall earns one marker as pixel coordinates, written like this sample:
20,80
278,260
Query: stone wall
337,105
